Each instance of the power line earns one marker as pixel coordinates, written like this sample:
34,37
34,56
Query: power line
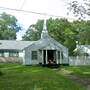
23,4
44,14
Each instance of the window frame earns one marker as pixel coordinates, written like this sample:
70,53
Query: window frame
34,55
13,54
2,53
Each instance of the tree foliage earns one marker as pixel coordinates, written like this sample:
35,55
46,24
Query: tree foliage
34,31
63,31
8,27
80,9
83,31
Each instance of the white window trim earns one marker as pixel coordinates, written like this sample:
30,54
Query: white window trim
34,55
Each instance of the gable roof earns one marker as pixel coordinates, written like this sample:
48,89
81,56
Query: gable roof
83,49
45,41
14,45
42,43
87,46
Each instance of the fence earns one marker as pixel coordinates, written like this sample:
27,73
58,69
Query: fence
79,60
11,59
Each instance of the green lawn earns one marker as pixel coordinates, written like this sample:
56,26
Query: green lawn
19,77
79,71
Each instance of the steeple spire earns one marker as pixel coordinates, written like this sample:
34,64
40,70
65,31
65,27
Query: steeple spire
44,25
44,33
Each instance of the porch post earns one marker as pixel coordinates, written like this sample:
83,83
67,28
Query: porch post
42,57
46,57
57,57
60,58
38,55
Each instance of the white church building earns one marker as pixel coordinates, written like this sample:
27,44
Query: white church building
44,51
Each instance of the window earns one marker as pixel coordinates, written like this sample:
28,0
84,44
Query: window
1,53
34,55
13,54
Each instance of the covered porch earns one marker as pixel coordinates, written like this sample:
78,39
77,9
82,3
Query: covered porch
51,56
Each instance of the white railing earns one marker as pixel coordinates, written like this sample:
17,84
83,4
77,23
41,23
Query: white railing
79,60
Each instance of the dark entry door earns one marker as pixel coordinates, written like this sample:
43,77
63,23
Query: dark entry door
50,56
44,56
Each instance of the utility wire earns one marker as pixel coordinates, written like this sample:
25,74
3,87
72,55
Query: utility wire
44,14
23,4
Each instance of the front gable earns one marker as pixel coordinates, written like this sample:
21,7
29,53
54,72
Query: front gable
51,46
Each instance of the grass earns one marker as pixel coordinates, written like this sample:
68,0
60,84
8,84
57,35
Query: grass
79,71
19,77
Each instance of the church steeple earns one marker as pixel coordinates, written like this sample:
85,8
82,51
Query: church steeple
44,25
44,33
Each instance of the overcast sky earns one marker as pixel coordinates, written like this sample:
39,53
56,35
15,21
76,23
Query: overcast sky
54,7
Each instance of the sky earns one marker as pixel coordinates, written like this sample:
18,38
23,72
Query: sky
54,7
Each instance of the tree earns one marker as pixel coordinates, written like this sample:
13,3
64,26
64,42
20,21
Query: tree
82,31
34,31
85,34
8,27
80,9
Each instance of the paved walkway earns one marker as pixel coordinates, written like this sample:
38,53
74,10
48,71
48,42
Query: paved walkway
83,82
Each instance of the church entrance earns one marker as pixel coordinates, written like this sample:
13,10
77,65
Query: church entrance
49,56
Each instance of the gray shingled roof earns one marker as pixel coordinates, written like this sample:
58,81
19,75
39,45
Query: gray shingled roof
13,44
87,46
82,48
42,43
